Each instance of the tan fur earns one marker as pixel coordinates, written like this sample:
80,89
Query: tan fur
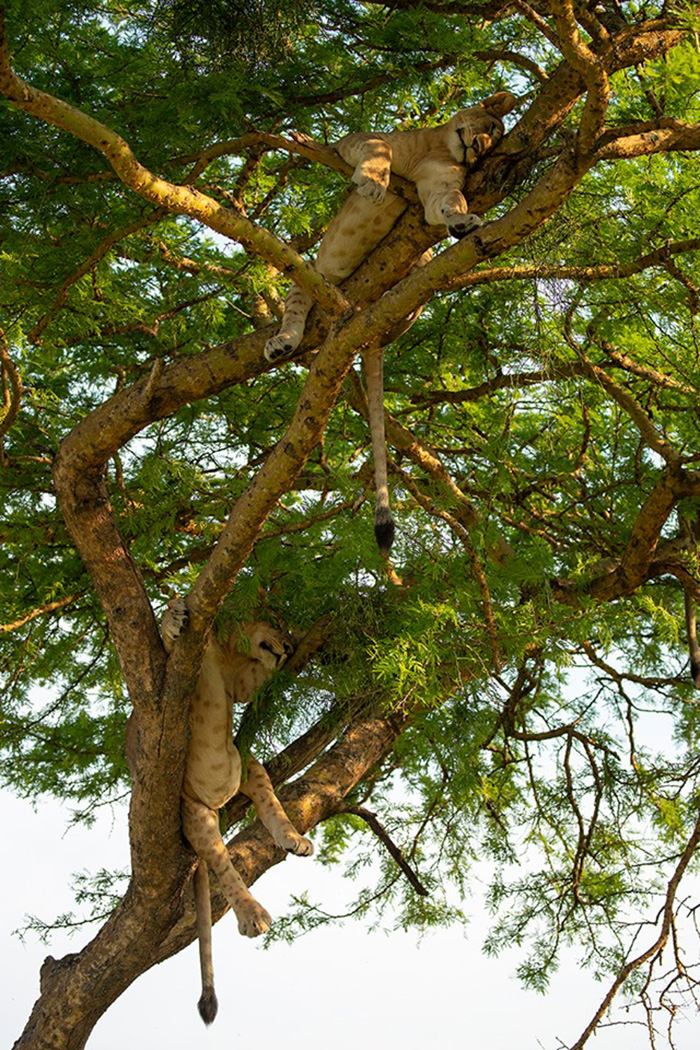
436,161
232,670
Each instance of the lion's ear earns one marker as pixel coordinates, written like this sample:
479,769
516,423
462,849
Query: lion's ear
499,104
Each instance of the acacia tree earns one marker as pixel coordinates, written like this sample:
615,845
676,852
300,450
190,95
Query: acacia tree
489,691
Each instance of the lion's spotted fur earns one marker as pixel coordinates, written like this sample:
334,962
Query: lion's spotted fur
232,670
436,161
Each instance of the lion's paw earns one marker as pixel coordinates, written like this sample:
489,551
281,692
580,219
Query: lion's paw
295,843
175,620
253,920
371,189
460,225
280,346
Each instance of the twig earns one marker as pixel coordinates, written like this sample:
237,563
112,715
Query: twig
380,831
655,948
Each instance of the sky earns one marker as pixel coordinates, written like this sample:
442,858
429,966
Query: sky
341,986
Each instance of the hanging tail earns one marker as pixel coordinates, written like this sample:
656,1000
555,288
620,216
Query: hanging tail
373,363
208,1003
693,647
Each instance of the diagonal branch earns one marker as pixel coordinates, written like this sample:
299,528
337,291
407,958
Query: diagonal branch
634,410
589,67
392,849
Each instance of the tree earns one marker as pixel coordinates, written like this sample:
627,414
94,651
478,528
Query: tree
487,693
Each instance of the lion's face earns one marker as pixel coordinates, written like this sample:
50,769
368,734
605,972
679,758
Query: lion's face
267,645
471,133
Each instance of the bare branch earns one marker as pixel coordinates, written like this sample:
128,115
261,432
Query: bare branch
654,949
380,831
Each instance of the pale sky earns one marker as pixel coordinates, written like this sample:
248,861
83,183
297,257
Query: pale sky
341,987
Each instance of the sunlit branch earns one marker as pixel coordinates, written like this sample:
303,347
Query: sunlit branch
643,139
600,272
512,381
300,145
590,67
514,57
42,611
659,379
538,21
635,412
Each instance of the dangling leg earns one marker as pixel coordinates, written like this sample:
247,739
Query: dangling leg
258,787
296,309
201,826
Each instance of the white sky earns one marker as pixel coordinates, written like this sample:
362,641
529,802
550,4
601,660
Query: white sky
337,986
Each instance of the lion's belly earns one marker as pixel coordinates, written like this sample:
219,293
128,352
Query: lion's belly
213,774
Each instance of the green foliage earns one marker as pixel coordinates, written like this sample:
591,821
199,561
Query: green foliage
557,737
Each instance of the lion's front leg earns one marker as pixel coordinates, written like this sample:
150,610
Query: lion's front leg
258,787
201,827
440,192
371,157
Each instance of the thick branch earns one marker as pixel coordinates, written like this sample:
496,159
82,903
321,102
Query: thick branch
635,565
643,139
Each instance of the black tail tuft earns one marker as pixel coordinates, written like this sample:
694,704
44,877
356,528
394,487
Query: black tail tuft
384,530
695,671
208,1005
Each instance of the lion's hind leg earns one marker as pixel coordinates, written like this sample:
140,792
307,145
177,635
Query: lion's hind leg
296,309
201,826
